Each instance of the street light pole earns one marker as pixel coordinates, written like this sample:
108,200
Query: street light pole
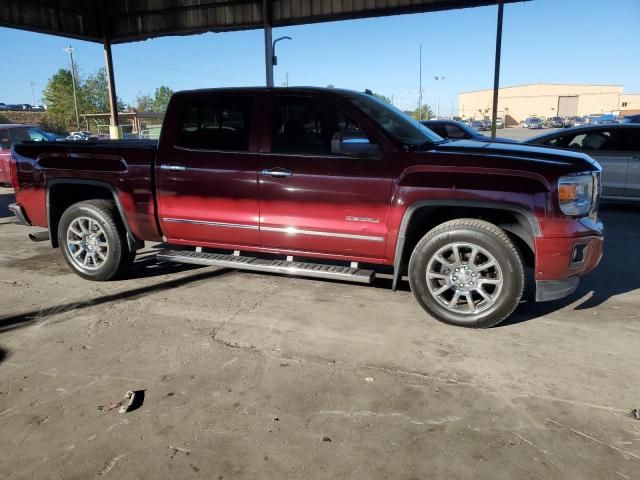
420,86
69,50
437,79
274,59
33,96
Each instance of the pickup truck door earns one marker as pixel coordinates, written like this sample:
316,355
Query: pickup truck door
312,200
206,173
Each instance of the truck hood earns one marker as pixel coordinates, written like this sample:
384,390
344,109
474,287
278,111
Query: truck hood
518,151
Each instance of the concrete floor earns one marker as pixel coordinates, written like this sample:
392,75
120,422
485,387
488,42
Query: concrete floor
259,376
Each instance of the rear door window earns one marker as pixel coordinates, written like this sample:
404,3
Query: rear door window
453,131
223,125
36,135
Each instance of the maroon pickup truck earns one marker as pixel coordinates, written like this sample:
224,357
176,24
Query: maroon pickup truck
322,183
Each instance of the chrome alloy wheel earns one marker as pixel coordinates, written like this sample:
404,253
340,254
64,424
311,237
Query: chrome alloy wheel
464,278
87,243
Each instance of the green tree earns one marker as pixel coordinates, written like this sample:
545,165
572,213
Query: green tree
144,103
427,113
384,98
331,86
161,98
58,96
95,93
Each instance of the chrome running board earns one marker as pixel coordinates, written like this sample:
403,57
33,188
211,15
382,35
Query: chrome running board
238,262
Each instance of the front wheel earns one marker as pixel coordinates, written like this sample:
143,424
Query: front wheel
467,272
93,240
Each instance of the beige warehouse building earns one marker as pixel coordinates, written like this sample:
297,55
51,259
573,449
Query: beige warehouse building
548,100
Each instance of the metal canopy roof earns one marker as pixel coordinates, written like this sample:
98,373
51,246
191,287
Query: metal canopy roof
131,20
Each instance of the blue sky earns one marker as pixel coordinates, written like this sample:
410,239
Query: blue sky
547,41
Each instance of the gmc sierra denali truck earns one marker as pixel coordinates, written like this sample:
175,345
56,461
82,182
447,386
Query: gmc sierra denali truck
322,183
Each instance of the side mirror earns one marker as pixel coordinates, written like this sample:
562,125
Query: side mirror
354,143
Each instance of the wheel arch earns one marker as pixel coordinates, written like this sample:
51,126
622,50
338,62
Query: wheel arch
62,193
420,217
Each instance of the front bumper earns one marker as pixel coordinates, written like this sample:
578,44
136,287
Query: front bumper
19,213
561,261
547,290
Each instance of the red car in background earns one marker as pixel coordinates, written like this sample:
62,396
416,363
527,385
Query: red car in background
14,133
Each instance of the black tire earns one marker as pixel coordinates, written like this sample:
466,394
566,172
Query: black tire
106,217
466,233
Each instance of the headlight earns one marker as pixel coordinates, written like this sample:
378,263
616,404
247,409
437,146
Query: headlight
575,194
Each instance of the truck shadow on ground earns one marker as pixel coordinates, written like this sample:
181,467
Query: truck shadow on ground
12,322
3,354
617,274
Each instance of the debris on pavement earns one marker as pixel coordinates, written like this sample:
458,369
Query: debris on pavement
369,379
179,451
129,398
132,400
635,413
326,439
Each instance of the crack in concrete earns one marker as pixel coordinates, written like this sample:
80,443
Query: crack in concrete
414,421
594,439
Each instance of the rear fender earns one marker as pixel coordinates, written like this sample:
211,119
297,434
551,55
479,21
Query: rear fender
52,220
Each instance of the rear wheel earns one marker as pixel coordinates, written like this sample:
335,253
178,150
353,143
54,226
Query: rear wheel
467,272
93,240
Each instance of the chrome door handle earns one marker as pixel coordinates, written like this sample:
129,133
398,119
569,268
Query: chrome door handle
172,167
277,172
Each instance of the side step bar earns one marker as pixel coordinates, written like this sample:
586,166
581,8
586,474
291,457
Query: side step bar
303,269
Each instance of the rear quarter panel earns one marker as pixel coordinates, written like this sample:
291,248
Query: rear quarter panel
126,167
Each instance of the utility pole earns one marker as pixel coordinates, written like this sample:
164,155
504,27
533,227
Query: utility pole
496,72
437,79
287,79
420,86
69,50
33,96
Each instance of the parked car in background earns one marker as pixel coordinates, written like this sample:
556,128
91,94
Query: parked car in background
604,120
11,134
38,108
3,107
82,135
616,147
479,125
580,122
631,119
568,121
554,122
337,176
533,123
458,131
499,123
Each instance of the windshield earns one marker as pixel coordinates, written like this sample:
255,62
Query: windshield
398,124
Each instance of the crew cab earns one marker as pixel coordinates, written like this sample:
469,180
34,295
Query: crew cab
322,183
